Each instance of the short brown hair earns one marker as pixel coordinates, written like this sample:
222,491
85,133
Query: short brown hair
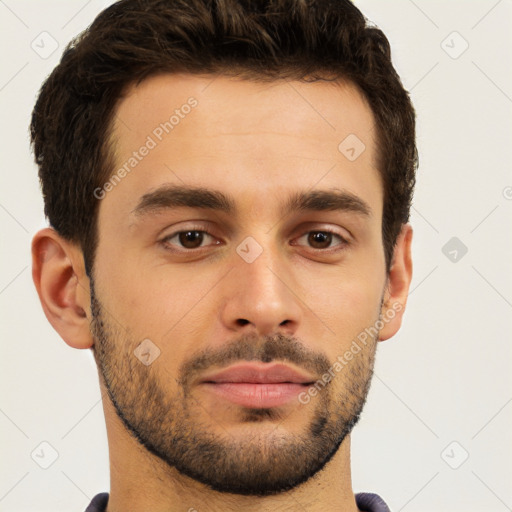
251,39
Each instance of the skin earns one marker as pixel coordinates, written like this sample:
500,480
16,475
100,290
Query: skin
258,143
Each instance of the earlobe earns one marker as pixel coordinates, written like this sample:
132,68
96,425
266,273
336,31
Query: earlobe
399,280
63,287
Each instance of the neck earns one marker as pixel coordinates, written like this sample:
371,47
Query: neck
140,481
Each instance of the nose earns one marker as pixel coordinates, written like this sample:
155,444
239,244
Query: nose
261,296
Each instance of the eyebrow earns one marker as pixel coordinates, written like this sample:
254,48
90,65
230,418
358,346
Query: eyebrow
174,196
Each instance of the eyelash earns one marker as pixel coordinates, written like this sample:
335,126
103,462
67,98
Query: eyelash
165,241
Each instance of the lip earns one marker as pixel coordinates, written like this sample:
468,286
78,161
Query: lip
256,385
259,374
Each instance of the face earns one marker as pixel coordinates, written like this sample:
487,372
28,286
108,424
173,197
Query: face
242,234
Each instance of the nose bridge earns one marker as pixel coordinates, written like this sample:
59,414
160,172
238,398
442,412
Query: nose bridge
259,292
263,273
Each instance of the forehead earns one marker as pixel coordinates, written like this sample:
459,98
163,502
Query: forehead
255,140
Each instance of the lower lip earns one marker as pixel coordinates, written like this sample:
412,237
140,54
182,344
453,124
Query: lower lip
256,395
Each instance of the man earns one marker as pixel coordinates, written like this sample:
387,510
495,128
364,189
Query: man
228,185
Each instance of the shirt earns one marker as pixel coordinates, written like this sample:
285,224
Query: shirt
366,501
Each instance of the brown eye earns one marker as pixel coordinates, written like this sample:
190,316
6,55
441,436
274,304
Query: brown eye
189,239
323,240
320,239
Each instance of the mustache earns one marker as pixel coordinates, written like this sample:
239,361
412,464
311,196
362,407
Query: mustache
251,347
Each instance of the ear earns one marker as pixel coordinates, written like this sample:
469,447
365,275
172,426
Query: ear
399,280
59,274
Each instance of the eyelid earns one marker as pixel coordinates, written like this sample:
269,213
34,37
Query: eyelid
344,240
325,227
199,228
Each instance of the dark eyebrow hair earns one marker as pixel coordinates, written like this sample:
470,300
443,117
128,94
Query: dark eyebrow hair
326,200
173,196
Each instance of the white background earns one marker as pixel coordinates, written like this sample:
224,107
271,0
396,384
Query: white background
445,377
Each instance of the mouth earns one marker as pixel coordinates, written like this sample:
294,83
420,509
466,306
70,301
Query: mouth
256,385
256,396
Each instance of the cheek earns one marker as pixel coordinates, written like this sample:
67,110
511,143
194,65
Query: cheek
347,301
156,302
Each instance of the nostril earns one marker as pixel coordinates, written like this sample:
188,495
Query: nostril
242,321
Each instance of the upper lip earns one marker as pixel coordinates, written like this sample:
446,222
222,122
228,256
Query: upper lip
259,374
